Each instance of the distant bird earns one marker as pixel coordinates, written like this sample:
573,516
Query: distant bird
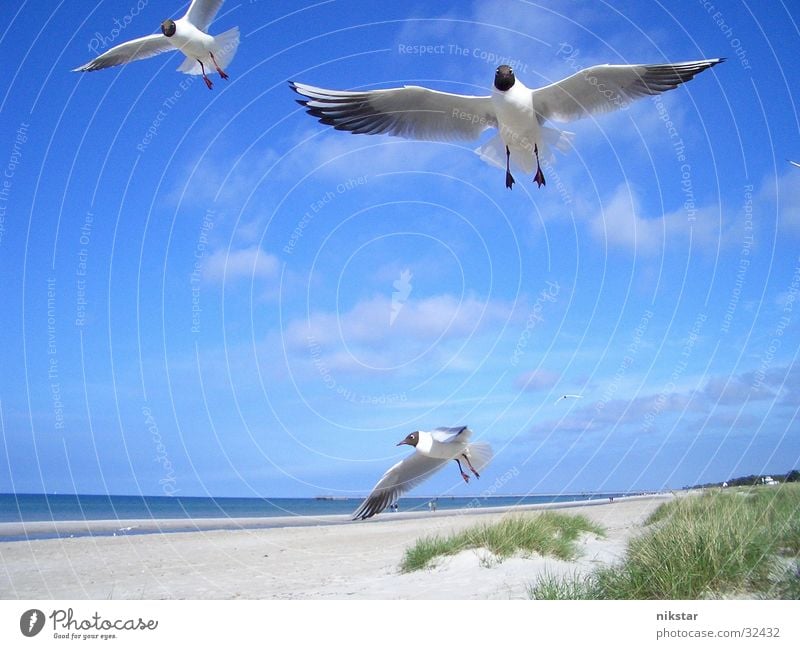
187,34
796,164
569,396
433,450
516,111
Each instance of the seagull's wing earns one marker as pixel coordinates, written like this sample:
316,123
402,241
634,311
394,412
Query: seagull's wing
446,435
604,88
403,476
139,48
202,12
410,111
796,164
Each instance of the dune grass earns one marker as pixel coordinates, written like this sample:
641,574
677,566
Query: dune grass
722,543
549,533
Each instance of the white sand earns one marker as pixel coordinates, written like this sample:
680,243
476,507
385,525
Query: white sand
354,560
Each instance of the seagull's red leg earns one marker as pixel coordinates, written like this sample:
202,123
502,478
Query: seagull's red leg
463,475
509,177
471,468
219,69
205,78
539,177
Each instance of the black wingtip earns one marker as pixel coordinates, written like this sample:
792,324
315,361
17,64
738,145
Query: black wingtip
293,86
362,515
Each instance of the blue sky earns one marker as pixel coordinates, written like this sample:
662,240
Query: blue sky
209,293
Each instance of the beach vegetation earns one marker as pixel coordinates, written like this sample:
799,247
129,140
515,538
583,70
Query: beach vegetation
548,534
742,542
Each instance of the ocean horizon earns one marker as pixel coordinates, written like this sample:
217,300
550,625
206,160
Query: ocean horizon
37,508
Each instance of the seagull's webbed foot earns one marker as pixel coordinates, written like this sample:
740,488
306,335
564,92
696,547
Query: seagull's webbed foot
509,177
539,177
219,69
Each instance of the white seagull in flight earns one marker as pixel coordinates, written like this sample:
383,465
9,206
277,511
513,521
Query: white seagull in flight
187,34
433,451
569,396
516,111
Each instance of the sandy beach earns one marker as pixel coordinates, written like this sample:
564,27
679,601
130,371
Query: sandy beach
311,561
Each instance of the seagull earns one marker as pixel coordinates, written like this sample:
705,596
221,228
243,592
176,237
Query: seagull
516,111
187,34
569,396
433,450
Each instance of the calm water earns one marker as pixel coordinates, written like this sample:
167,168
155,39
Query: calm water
15,508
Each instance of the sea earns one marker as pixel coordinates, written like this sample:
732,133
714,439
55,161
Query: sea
27,508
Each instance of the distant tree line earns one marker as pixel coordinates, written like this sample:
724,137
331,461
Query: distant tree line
751,480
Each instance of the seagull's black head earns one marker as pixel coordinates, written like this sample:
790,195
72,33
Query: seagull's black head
504,78
168,27
411,439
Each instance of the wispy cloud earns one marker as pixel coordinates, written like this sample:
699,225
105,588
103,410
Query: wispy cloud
624,224
720,402
536,380
781,195
736,390
425,320
245,263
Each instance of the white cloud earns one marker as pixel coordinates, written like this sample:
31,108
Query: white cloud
334,157
536,380
781,195
422,320
622,224
246,263
223,180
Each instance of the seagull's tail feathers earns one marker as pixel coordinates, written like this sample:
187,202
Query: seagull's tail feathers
493,152
480,454
227,44
553,138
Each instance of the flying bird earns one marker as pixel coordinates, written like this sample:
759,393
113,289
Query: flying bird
432,451
516,111
187,34
569,396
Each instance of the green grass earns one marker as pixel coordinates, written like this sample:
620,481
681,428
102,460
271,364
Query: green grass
575,587
549,533
722,543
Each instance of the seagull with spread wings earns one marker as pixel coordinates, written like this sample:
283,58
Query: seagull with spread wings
432,450
516,111
569,396
187,34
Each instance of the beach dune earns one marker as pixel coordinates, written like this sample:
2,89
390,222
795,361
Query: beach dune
328,561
